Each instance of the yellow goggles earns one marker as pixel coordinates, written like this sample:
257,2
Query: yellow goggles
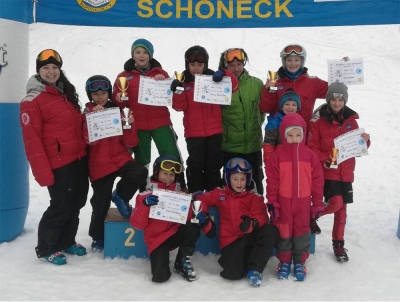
169,165
47,54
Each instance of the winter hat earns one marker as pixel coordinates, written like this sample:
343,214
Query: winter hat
290,95
337,90
96,82
294,50
48,56
294,127
145,44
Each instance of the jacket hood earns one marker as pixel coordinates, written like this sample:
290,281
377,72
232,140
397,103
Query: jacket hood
289,120
35,83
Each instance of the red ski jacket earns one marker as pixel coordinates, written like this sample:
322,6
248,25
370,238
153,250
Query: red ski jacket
231,206
308,88
146,117
321,134
155,231
200,119
109,154
51,130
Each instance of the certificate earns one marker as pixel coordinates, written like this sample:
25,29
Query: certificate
208,91
155,93
104,123
172,206
351,144
349,73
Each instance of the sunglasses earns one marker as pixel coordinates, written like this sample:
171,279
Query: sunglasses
169,165
296,49
196,57
234,54
47,54
98,84
237,165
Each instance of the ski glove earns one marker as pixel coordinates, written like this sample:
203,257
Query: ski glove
175,83
218,76
248,224
151,200
316,211
273,210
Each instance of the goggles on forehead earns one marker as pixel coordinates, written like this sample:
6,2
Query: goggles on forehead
237,165
196,57
293,49
46,54
234,54
98,84
169,165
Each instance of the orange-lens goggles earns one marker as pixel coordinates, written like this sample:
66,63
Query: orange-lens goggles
46,54
169,165
233,54
297,49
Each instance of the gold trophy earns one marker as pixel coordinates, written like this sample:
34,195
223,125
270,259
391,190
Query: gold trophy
273,76
123,86
126,112
334,155
180,77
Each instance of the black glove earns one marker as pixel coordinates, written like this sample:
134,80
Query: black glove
151,200
175,83
218,76
248,224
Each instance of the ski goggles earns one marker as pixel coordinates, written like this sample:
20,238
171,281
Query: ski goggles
234,54
236,165
196,57
47,54
98,84
169,165
293,49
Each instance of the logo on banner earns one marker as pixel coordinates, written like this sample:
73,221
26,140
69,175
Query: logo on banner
96,6
3,53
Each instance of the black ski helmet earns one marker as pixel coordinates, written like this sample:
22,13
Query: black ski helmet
94,78
159,160
196,49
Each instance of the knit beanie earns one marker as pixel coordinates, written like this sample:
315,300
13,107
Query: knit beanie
50,60
294,127
337,90
145,44
290,95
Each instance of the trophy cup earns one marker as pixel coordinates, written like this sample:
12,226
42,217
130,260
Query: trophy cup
196,210
180,77
273,77
123,86
334,155
126,112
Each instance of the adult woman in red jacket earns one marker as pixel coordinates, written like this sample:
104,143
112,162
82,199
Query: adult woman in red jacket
52,131
330,121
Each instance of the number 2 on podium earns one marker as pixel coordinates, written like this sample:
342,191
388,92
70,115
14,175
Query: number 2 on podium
131,233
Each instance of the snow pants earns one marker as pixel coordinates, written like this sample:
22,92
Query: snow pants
132,175
204,162
68,194
250,252
185,238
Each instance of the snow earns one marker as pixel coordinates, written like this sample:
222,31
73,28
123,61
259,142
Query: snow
373,272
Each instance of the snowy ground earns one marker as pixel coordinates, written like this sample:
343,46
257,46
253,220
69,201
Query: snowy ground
373,272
